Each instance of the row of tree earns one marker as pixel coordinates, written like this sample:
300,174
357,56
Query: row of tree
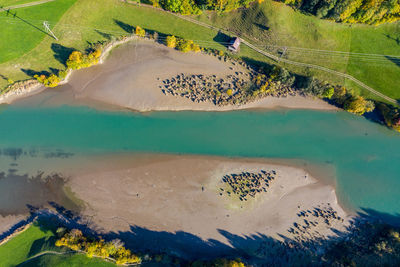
113,250
391,115
76,60
187,7
351,11
346,99
182,45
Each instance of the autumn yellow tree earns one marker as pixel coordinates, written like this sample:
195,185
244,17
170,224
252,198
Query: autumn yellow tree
74,60
171,41
358,105
140,32
185,45
98,247
95,54
73,240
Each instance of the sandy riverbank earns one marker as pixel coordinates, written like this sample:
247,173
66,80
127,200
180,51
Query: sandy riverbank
173,203
132,75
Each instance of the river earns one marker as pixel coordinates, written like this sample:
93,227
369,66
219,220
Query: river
364,156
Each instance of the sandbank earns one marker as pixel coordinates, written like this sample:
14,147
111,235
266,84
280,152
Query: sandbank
155,200
132,74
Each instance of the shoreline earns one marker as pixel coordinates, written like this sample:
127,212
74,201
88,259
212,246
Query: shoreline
122,80
23,92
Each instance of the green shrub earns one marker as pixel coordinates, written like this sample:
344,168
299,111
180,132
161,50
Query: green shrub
328,92
391,115
62,74
358,105
340,95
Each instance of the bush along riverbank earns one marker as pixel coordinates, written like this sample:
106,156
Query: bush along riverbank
96,247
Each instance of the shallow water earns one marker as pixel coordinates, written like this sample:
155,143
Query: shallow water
365,155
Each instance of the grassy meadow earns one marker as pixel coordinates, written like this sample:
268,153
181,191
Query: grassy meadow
90,21
36,239
22,33
273,25
270,25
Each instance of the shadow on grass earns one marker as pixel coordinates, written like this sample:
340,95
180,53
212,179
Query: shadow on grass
3,77
396,39
105,35
258,65
160,37
15,16
222,38
32,73
42,244
126,27
61,53
395,60
262,27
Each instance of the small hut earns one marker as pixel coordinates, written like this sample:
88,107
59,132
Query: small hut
234,44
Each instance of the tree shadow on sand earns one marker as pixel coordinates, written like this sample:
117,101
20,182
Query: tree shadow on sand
356,242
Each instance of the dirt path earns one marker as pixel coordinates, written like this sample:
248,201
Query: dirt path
3,9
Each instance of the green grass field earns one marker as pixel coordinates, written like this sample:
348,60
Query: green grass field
34,240
269,25
91,21
24,32
7,3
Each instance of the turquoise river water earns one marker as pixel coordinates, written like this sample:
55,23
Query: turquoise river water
364,155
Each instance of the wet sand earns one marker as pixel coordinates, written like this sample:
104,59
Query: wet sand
145,195
131,77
